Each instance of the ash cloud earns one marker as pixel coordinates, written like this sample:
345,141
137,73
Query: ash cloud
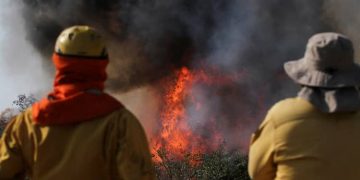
149,39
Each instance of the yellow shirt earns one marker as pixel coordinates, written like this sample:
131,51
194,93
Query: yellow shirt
111,147
298,142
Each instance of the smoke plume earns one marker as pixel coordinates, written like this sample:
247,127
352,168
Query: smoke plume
149,39
344,15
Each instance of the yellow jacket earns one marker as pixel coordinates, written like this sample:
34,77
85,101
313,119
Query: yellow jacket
112,147
298,142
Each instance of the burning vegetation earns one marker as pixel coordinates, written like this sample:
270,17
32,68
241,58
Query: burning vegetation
182,152
176,135
181,130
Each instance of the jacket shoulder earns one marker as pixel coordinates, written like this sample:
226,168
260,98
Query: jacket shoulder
124,118
291,109
19,125
23,118
122,113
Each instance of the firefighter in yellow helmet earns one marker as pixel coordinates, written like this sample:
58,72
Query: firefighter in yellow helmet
80,41
77,131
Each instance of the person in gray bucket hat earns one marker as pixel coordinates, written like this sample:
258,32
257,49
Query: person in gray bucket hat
314,135
328,73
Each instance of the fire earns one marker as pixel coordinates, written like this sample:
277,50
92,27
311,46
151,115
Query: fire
176,135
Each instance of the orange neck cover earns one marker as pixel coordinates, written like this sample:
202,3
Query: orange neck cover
78,93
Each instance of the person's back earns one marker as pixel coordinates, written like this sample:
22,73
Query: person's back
110,147
78,131
310,144
313,136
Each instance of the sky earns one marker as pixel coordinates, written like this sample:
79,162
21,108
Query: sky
20,64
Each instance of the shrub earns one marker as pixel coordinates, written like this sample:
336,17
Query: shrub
219,164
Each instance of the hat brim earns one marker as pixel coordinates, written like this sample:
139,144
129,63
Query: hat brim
300,72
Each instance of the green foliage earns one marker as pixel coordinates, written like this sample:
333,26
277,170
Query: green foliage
219,164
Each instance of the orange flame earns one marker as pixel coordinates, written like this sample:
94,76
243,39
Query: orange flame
176,135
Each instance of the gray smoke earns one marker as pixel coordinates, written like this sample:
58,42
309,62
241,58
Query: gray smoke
345,18
149,39
20,63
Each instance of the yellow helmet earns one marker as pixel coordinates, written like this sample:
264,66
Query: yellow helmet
80,41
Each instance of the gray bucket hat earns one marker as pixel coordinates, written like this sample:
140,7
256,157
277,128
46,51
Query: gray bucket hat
328,62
